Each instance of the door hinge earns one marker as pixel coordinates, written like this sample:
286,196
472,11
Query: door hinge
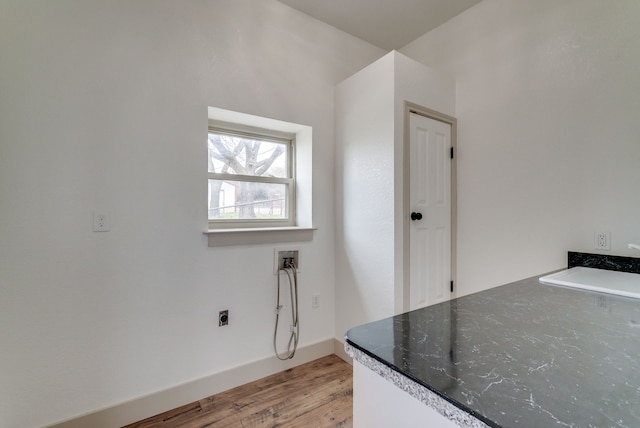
451,152
452,286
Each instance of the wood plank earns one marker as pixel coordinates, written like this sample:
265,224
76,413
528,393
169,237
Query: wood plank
290,408
328,415
271,403
318,394
171,417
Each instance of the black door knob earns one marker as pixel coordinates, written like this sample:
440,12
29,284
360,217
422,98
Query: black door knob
416,216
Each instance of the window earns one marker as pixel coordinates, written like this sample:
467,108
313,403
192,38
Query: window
251,177
282,208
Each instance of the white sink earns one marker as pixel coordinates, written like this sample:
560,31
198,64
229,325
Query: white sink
604,281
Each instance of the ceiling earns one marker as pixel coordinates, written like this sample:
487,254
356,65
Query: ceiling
388,24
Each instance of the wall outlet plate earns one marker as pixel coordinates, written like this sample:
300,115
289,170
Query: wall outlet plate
602,240
223,318
101,221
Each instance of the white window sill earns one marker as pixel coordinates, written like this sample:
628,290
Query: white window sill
252,236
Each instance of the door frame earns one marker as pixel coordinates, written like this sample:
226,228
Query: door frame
409,108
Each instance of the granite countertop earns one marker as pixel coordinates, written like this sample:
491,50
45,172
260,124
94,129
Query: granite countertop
521,355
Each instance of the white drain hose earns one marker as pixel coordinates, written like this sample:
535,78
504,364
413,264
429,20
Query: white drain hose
290,269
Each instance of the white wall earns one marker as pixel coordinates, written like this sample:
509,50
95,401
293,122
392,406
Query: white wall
369,174
547,101
103,105
364,124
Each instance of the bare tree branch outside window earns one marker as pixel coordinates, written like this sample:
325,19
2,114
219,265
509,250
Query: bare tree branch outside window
245,157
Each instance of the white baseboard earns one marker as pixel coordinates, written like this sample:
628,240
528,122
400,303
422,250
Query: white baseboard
162,401
338,349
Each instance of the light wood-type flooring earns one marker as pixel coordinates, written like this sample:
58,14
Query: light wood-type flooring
316,395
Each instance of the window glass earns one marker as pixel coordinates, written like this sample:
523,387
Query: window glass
247,200
247,156
250,180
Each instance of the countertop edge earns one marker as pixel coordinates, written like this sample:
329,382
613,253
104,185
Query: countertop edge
416,390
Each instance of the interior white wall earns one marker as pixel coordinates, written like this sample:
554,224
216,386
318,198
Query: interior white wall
103,106
369,182
364,195
547,102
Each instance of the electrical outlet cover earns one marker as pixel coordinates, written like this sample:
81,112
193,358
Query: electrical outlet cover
602,240
223,318
101,221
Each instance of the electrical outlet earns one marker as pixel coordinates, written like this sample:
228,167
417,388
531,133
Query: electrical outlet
223,318
101,221
602,240
315,301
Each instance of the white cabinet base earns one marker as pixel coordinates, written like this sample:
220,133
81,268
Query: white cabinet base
379,403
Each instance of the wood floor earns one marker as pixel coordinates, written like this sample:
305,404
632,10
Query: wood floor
317,394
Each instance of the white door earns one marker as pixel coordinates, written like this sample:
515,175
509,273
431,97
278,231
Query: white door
430,208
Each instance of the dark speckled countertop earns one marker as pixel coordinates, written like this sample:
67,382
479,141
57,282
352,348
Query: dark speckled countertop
520,355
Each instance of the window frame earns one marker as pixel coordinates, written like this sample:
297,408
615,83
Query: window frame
267,135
